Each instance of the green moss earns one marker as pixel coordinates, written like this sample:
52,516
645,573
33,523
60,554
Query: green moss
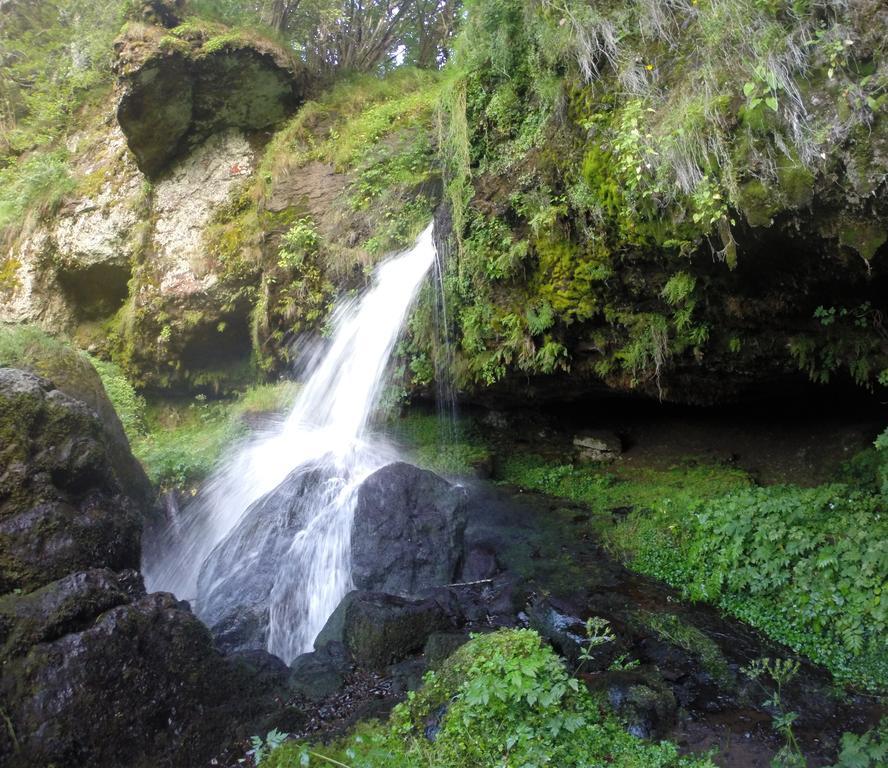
604,489
440,445
865,237
759,203
9,279
796,184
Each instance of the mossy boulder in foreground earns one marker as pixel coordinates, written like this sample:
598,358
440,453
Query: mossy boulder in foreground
96,672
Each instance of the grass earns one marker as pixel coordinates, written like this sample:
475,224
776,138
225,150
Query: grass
604,488
34,187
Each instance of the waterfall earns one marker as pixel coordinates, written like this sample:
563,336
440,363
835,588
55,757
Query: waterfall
323,439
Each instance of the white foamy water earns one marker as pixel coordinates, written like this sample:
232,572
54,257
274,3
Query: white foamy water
326,428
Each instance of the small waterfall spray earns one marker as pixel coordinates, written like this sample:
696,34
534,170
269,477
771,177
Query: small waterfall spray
324,440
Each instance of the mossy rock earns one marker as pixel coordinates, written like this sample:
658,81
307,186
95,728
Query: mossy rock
865,237
759,203
178,88
63,507
30,349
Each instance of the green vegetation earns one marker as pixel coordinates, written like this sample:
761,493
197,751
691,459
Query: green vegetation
868,750
807,566
593,149
183,441
434,443
129,404
672,629
56,66
781,672
604,488
507,701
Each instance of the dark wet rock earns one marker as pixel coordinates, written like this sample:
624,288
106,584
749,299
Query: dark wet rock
233,599
441,646
64,506
407,675
379,630
408,531
566,633
242,628
142,680
480,563
67,605
176,90
434,722
485,603
642,700
319,674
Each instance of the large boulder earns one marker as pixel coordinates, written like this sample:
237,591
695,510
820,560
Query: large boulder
29,349
379,630
110,684
179,88
406,540
64,506
408,531
234,585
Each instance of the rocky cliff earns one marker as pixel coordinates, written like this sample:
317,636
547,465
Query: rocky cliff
684,202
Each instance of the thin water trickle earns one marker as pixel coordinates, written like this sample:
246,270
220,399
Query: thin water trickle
326,432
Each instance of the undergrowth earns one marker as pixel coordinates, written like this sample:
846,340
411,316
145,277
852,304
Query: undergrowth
806,566
502,699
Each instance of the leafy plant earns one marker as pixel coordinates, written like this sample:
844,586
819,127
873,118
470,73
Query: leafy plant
781,672
868,750
807,566
598,633
262,748
762,90
299,242
505,699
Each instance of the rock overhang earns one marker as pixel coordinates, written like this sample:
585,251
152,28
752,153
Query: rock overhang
179,86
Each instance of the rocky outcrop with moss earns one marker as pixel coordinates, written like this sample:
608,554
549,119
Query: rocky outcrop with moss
684,199
681,201
194,244
183,82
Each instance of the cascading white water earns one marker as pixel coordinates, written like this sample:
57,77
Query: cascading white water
325,431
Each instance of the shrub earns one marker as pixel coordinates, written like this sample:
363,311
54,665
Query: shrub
502,699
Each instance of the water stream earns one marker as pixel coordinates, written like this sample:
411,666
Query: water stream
325,434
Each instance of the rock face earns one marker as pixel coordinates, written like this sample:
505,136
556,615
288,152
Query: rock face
76,267
407,539
378,630
235,582
598,446
408,531
95,672
63,506
179,89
